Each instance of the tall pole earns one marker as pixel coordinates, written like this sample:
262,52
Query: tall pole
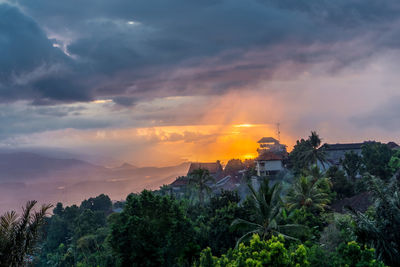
278,132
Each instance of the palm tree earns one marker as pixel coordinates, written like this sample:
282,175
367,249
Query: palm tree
308,193
315,173
18,235
201,179
268,204
315,153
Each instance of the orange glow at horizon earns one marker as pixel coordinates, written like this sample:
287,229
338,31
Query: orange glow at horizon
170,145
243,125
209,143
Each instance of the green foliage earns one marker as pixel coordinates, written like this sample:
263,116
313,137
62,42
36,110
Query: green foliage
76,236
259,252
380,228
308,194
376,158
313,222
394,162
273,252
340,183
19,234
88,222
339,230
351,164
267,215
200,179
307,153
349,254
352,254
152,230
296,156
212,221
99,203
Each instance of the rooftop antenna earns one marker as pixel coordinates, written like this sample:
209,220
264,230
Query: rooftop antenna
278,132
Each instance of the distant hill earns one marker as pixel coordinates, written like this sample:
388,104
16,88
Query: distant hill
28,166
126,166
27,176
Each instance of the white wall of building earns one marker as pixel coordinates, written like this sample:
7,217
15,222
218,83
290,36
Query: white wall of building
268,166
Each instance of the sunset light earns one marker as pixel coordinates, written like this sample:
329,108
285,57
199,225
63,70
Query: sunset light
199,133
243,125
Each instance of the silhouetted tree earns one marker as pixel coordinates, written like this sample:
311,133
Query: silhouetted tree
19,234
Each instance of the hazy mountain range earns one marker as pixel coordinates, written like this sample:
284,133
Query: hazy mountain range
50,179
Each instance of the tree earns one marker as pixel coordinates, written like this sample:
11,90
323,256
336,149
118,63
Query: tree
259,252
296,156
307,153
351,165
308,194
376,158
267,211
58,210
200,178
394,162
88,222
18,235
340,184
273,252
152,230
352,254
75,236
315,153
381,228
100,203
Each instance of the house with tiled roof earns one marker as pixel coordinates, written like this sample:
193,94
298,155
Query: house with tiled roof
214,168
179,183
271,155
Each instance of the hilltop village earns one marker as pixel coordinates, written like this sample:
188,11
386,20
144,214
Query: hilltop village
275,164
321,204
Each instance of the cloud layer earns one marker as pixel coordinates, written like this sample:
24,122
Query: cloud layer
322,65
134,50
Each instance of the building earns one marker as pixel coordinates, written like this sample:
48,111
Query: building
336,152
179,184
268,144
271,156
214,168
269,163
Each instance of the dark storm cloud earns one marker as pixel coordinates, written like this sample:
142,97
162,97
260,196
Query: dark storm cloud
30,67
136,50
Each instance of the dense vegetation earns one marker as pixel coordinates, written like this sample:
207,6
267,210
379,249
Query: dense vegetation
281,222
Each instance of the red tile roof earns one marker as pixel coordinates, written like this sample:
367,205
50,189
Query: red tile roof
212,167
180,181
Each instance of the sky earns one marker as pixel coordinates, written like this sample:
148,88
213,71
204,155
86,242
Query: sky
155,82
